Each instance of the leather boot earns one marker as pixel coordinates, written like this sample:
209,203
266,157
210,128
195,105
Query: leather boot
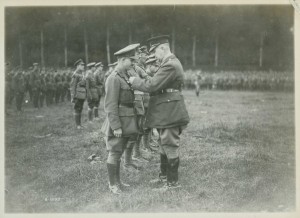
96,115
162,176
77,120
90,114
118,179
172,173
163,165
128,159
112,171
137,152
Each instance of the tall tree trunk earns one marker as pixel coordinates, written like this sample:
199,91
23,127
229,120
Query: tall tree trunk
107,45
173,37
194,51
130,28
42,49
86,48
261,50
217,50
130,36
66,48
20,52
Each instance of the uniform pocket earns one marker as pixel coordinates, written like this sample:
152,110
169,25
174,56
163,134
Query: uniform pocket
80,93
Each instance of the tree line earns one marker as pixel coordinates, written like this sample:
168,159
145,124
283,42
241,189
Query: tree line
208,37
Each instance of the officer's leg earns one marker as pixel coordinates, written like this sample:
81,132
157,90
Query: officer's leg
81,102
77,115
115,147
90,109
68,94
96,108
170,144
128,163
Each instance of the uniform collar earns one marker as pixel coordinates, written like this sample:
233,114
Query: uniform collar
167,58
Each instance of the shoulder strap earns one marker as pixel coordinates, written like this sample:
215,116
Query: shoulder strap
126,80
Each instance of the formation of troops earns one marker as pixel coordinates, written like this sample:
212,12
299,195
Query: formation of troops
234,80
40,88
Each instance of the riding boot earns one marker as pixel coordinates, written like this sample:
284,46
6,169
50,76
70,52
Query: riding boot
112,171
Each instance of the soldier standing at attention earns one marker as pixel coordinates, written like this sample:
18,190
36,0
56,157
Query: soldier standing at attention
48,89
120,125
43,91
141,104
92,91
65,87
19,88
35,85
99,77
197,83
59,87
78,91
68,81
167,111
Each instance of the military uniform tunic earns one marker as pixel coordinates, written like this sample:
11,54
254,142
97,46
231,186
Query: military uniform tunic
78,91
92,90
167,111
118,105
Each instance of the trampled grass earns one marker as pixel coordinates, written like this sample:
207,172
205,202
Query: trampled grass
237,154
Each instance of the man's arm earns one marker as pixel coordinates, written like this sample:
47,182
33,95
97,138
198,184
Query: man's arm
111,107
89,94
159,81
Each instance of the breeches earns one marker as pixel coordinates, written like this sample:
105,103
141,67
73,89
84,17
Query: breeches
78,106
92,103
169,141
116,146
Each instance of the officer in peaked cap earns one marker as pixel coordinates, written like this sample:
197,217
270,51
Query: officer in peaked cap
92,91
141,105
120,125
99,77
78,91
167,111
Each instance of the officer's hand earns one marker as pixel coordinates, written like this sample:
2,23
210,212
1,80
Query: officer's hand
131,79
118,132
73,100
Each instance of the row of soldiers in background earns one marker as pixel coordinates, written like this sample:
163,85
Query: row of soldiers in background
226,80
88,85
41,88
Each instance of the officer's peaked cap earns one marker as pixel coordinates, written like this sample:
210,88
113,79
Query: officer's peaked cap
99,64
157,40
92,64
80,61
128,51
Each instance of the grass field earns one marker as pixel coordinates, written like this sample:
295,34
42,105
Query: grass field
237,155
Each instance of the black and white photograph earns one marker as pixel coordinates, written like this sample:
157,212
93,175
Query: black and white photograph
149,108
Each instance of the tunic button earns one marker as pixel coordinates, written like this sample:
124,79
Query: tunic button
168,100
